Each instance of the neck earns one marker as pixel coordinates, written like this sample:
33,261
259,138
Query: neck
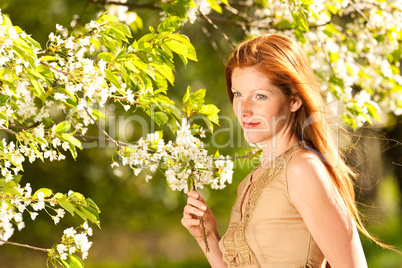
276,146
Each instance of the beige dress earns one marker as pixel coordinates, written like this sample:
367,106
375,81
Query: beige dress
271,233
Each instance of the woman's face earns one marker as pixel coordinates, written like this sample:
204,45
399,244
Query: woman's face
261,108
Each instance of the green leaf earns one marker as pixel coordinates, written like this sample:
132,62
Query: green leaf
39,90
77,210
191,53
350,121
300,36
92,204
111,42
214,118
122,29
112,78
165,71
161,98
172,123
183,59
160,118
106,18
62,127
17,178
372,111
209,124
170,24
331,29
215,6
71,140
58,195
62,262
106,56
131,66
174,110
64,203
46,192
186,96
209,109
4,98
176,46
144,67
12,190
91,214
146,38
198,96
73,151
45,72
77,197
74,261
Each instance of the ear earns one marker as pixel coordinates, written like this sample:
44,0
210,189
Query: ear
296,103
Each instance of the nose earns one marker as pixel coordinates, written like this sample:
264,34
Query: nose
246,108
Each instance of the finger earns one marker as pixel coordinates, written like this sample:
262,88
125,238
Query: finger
197,203
190,222
195,195
193,211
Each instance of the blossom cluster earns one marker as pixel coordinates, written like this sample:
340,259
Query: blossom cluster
13,206
73,241
185,160
201,6
121,12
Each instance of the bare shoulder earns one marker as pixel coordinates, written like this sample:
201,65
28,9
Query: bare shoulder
307,176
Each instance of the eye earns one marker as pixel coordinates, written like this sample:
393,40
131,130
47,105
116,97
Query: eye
261,97
236,94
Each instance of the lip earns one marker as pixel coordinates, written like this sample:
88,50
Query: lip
250,124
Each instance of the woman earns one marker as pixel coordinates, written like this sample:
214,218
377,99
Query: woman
297,208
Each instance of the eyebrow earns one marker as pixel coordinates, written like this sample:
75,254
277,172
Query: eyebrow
262,89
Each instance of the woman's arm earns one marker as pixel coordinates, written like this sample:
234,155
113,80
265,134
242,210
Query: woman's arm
195,208
325,214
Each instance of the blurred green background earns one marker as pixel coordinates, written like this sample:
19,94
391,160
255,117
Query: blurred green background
141,221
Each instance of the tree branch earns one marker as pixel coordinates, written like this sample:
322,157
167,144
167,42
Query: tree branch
131,4
217,28
24,246
101,129
8,130
54,69
83,137
211,40
361,13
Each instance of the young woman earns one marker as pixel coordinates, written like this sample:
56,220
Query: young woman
297,208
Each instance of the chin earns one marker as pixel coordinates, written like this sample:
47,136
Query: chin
255,139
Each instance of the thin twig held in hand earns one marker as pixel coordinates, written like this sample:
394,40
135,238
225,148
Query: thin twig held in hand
204,235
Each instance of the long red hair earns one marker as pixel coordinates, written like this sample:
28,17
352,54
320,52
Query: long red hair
285,64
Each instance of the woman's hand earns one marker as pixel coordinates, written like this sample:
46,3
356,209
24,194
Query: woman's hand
195,208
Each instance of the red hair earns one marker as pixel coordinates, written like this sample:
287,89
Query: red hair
285,64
